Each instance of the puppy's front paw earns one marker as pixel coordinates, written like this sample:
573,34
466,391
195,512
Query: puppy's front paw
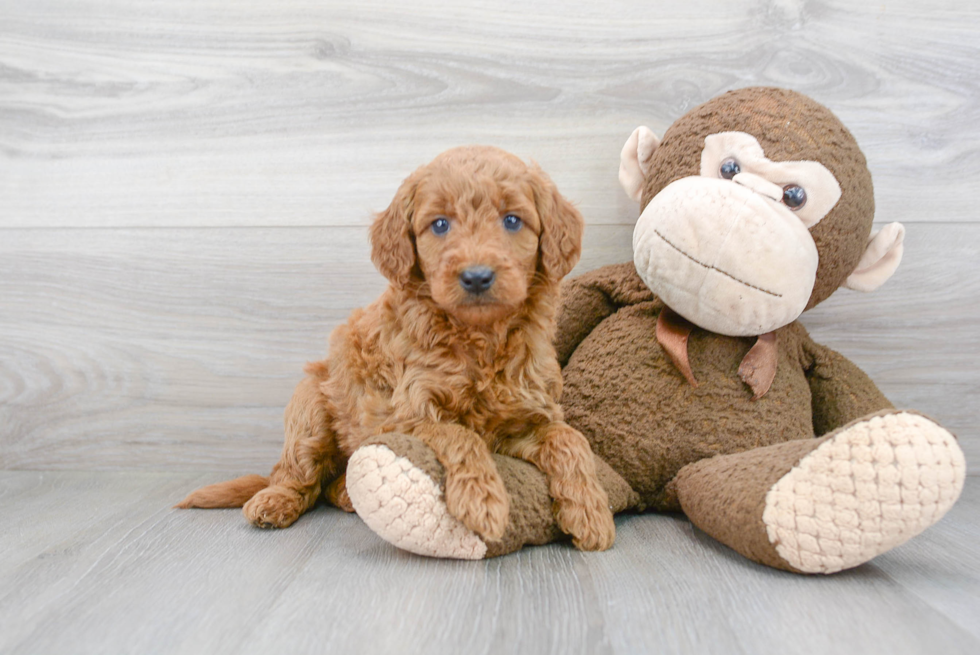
274,507
589,521
479,501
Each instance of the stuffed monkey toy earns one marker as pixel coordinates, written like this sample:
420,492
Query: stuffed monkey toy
688,372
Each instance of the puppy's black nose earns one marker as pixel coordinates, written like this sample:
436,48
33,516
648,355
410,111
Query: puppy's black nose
477,279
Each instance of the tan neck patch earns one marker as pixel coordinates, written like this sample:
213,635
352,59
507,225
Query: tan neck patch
673,331
758,367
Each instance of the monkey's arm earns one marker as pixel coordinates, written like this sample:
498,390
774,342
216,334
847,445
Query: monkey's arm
588,299
841,392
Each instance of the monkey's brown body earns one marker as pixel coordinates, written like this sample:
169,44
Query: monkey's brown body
687,371
627,397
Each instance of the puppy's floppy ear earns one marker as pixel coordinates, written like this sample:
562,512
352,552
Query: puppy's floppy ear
560,245
392,239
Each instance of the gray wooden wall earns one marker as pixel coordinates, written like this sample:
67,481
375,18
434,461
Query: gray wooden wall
185,185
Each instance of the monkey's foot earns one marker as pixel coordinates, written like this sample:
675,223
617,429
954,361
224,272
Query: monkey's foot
833,503
872,486
398,487
400,497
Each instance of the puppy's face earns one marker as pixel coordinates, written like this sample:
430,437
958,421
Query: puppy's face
484,226
476,236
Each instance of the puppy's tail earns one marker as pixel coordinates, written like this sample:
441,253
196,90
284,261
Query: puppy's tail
233,493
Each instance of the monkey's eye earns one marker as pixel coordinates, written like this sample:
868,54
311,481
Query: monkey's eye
794,196
729,169
512,223
439,226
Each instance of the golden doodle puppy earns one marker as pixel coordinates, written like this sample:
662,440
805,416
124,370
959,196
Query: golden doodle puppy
457,352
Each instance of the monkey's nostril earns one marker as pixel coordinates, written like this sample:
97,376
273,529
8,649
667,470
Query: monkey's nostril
477,279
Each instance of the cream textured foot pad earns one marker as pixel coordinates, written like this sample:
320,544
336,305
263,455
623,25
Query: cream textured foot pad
405,507
864,491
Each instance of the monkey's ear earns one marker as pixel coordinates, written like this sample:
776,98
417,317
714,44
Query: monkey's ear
634,161
880,259
392,240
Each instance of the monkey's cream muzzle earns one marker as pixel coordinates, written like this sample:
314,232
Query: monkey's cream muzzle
725,257
724,250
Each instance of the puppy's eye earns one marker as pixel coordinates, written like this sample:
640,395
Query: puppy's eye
439,226
729,169
794,196
512,223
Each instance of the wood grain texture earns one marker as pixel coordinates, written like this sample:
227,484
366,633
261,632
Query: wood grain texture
170,348
943,560
132,575
184,192
213,113
177,349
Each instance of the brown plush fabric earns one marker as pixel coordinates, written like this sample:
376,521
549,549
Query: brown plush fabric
841,391
638,412
725,496
711,449
621,495
812,133
532,520
623,391
626,395
586,300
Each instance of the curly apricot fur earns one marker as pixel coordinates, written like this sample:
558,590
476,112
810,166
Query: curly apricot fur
469,374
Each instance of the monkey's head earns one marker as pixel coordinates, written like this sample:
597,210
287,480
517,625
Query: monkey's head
756,206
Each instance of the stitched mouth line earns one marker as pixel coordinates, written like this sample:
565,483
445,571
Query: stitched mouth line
713,268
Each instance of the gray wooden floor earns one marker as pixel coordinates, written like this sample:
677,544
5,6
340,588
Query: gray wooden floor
185,188
99,563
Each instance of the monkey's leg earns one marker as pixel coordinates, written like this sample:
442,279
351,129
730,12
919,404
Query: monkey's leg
310,458
397,485
581,504
828,504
